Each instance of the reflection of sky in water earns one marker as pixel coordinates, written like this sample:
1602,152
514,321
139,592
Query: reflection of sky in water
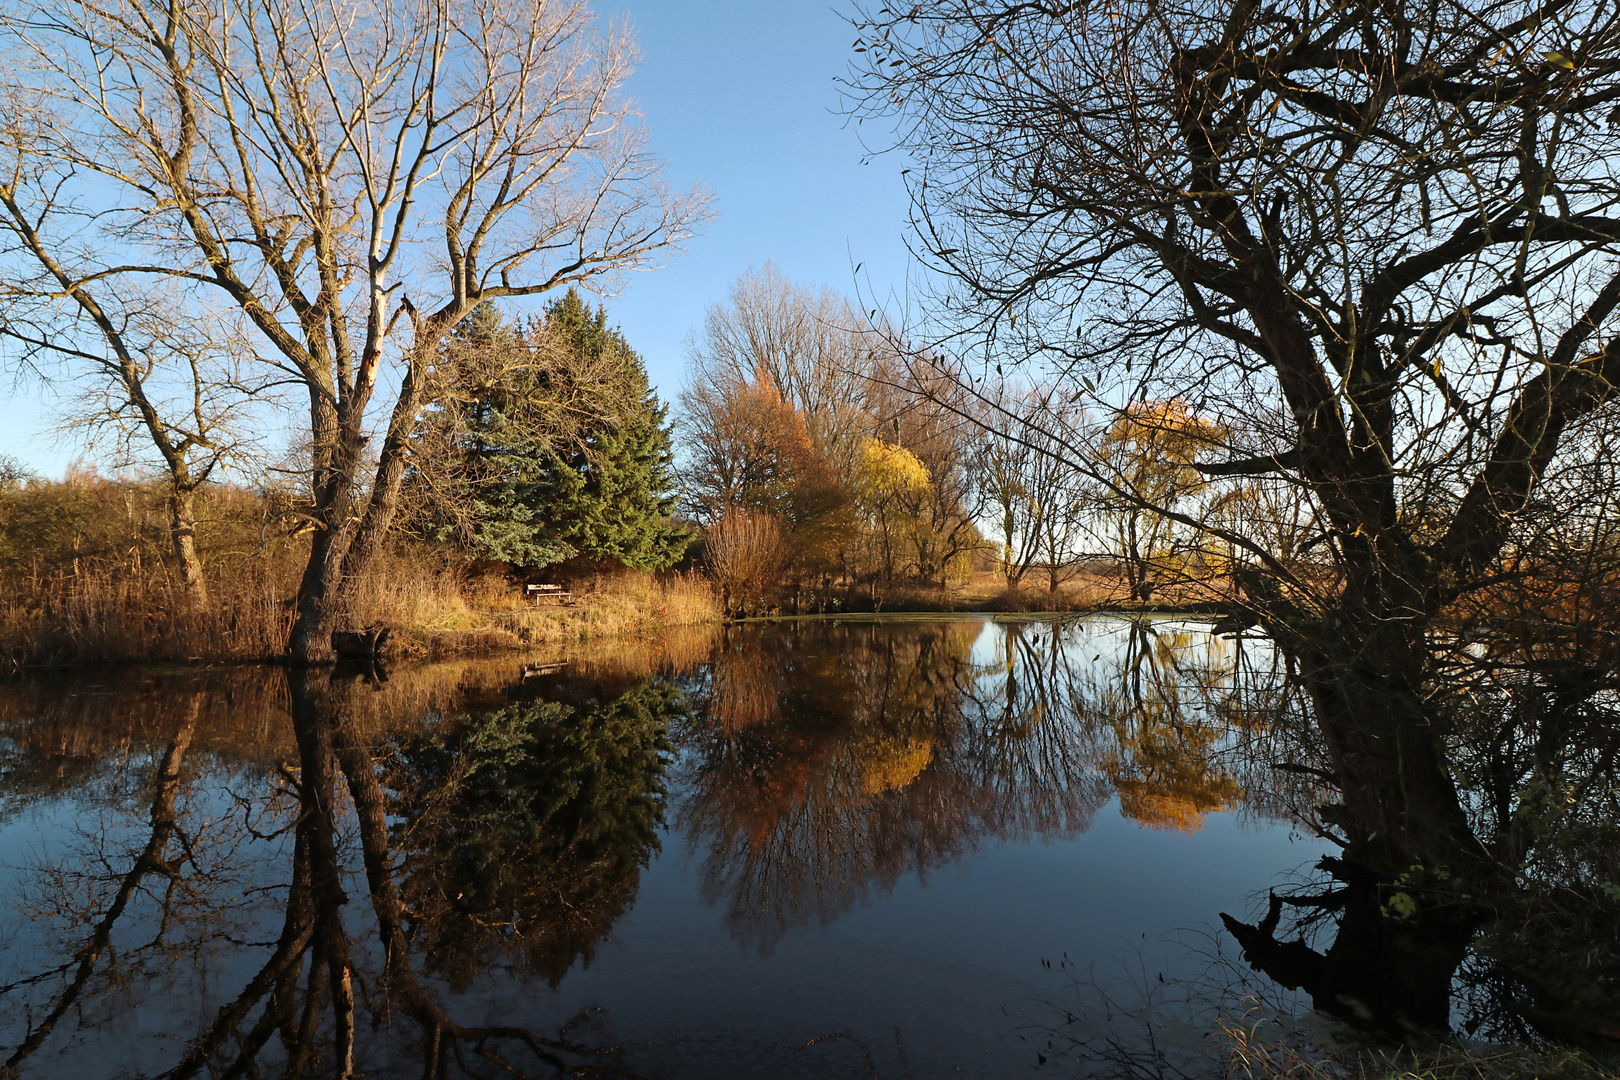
941,958
951,955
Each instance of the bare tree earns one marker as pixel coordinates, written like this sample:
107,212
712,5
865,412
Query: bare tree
1377,241
1038,497
1060,500
152,377
747,446
1003,464
814,348
354,178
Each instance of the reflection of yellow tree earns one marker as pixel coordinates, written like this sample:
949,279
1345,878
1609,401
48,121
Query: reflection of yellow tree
877,760
892,762
1165,777
1165,767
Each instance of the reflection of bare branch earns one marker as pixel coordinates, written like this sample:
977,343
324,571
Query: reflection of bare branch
301,1008
273,978
152,860
871,752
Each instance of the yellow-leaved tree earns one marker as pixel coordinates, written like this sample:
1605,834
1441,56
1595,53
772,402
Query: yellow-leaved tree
885,476
1147,460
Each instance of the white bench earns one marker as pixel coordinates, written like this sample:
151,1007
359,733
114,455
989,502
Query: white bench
537,593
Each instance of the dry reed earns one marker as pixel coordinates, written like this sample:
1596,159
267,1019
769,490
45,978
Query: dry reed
1256,1050
615,605
104,617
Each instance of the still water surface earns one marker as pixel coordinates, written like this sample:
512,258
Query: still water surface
730,844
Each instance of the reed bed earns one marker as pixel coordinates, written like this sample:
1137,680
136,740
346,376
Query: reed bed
99,616
627,605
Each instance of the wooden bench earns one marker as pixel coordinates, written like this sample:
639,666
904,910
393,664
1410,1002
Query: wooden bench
537,593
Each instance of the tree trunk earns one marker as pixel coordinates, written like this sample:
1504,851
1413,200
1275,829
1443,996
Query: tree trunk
1136,571
1394,972
1400,804
183,535
321,604
344,552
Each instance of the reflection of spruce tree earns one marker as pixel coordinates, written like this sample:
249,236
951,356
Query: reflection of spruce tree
526,828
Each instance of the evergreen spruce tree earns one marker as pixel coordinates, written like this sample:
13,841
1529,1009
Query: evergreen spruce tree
610,493
481,451
563,450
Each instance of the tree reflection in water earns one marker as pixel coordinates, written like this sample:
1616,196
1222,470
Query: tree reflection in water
524,830
824,763
310,873
213,855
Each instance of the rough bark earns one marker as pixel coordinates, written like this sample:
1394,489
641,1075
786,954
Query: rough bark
183,535
1400,804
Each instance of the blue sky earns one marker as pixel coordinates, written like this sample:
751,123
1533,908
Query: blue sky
742,97
739,96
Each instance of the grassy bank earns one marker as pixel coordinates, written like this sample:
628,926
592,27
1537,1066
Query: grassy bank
1252,1059
87,576
434,608
989,593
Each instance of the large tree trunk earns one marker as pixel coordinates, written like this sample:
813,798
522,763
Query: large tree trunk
344,553
183,535
1391,973
322,599
1400,804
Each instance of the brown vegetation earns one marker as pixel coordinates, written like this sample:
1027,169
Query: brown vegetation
792,409
747,552
87,575
1254,1052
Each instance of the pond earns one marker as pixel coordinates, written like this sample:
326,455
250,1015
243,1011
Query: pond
763,851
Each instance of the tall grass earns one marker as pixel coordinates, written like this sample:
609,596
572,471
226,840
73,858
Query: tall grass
1252,1052
101,616
86,577
615,605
